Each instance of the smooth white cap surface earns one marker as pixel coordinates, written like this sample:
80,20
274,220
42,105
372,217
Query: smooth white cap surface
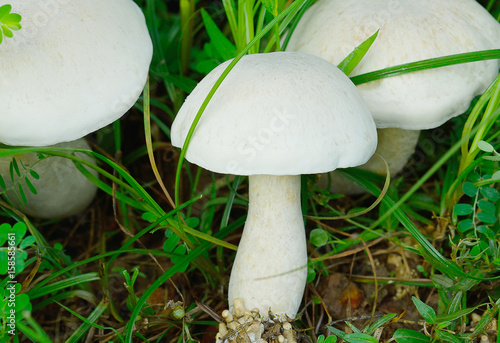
73,67
283,113
409,31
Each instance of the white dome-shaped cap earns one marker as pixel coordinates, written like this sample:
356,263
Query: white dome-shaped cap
409,31
73,67
281,113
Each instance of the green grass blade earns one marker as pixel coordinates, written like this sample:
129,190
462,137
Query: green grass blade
88,322
427,249
353,59
63,284
427,64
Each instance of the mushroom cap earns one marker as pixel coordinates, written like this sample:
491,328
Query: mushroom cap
74,67
282,113
409,31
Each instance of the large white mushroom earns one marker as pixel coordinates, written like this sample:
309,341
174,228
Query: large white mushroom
74,67
274,117
409,31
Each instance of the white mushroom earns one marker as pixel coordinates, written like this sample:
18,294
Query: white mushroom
409,31
60,184
74,67
275,116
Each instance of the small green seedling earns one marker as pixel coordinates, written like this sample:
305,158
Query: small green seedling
19,172
129,286
8,22
438,328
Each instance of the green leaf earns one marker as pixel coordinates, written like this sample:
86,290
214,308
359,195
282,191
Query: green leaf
337,332
2,183
269,5
171,243
329,339
359,338
12,20
14,167
490,193
486,218
486,206
9,21
447,337
425,310
353,59
20,260
149,217
318,237
34,174
26,242
178,256
5,9
22,302
30,185
19,229
4,258
22,195
463,209
492,158
353,328
223,46
485,146
380,322
192,222
6,31
487,232
469,189
410,336
496,176
465,225
311,274
5,229
467,282
455,304
455,315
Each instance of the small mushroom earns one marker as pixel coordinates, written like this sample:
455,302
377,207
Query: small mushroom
274,117
409,31
74,67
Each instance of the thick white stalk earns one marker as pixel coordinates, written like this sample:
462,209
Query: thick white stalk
269,272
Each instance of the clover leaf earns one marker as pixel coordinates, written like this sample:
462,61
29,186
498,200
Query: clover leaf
8,22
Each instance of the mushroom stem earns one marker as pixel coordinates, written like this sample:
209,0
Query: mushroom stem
269,271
